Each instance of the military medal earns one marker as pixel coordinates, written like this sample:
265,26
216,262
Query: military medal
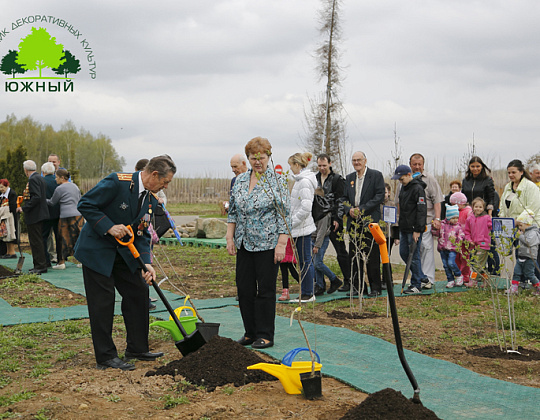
145,221
124,206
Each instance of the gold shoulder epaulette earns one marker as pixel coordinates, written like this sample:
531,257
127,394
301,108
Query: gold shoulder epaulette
124,177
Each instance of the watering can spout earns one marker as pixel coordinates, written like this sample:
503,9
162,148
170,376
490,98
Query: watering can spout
279,371
169,326
163,324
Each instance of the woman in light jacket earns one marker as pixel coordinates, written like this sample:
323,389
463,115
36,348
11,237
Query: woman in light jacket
303,225
519,193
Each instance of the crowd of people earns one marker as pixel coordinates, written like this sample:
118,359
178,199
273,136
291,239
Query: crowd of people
274,221
271,225
50,213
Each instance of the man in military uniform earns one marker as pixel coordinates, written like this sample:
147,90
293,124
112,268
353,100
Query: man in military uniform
118,200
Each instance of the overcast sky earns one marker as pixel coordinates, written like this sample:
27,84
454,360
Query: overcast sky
199,79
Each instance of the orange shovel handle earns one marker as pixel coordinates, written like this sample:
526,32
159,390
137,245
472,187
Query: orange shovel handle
129,243
20,199
379,237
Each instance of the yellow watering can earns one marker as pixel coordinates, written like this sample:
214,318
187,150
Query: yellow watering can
188,322
288,372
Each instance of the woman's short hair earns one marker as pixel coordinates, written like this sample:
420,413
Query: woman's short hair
258,145
62,173
47,168
301,159
457,182
4,182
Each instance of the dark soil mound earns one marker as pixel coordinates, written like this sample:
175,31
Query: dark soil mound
389,404
219,362
5,272
494,352
347,315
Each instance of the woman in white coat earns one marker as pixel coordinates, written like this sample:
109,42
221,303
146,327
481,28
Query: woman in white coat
303,225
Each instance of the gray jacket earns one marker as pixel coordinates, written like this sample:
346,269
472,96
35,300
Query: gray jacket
528,243
323,230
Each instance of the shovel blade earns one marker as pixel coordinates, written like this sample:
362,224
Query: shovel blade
208,329
191,343
20,264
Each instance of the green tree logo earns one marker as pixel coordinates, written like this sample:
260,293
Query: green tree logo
70,66
9,64
39,50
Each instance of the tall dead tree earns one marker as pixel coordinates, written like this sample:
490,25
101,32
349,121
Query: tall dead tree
324,122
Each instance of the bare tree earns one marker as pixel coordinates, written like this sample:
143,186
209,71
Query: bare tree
471,151
325,124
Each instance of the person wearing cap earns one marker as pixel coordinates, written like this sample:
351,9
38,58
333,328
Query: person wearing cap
527,253
412,222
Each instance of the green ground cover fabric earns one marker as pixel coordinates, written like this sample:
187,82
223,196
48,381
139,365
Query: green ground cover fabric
196,242
365,362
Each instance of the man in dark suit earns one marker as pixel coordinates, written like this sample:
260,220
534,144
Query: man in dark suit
362,197
51,224
118,200
36,212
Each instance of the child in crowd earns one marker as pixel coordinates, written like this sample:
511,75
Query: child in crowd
529,239
477,232
287,265
461,257
450,234
321,239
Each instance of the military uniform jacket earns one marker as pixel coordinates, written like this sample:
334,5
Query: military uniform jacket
112,201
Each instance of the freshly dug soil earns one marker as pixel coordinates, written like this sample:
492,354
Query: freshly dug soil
494,352
389,404
5,272
219,362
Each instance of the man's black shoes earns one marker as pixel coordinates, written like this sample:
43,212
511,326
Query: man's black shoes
345,288
115,363
143,356
334,285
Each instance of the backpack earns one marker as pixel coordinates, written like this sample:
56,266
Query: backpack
321,206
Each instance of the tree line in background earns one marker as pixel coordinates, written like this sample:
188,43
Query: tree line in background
81,153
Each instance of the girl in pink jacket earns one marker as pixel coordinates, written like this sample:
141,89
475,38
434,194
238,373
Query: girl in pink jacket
450,235
462,255
477,231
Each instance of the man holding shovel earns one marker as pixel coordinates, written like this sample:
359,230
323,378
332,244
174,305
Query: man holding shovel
118,200
412,223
